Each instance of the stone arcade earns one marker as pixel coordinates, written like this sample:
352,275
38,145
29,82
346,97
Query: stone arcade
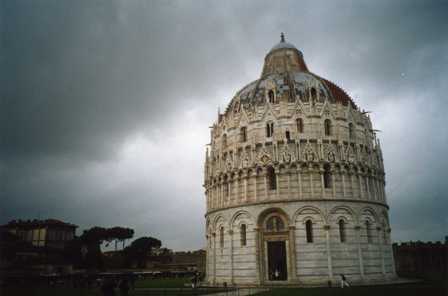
294,183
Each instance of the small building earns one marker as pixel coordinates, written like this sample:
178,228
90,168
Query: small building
190,261
42,233
36,246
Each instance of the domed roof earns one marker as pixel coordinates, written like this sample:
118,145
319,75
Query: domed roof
284,45
295,84
288,75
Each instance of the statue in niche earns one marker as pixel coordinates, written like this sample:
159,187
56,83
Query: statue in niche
363,156
331,156
350,154
245,160
329,152
308,153
229,166
287,156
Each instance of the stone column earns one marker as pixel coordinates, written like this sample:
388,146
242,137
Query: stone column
256,187
299,177
207,258
367,179
378,189
322,185
360,185
277,183
237,191
333,183
343,183
292,253
220,196
289,185
329,259
380,247
360,259
211,196
265,187
214,258
230,195
231,256
392,258
258,256
311,172
353,185
245,189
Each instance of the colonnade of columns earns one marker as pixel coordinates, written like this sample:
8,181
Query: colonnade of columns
352,185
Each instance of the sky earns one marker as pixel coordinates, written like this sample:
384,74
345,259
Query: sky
105,106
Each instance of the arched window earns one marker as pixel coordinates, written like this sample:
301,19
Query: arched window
327,127
313,94
368,231
243,134
342,235
272,178
221,237
243,235
309,231
269,129
327,176
299,123
271,96
350,131
288,136
275,224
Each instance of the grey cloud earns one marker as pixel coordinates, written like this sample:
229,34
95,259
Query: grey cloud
82,81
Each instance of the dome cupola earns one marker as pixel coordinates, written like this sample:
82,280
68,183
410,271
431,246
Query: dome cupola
283,57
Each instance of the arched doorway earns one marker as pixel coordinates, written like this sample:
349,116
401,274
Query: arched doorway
274,246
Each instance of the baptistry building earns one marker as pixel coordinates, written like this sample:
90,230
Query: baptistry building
294,183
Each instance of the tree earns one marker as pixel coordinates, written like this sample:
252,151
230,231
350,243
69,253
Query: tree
119,234
141,249
92,239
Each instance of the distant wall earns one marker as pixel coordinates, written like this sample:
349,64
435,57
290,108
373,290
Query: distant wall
422,260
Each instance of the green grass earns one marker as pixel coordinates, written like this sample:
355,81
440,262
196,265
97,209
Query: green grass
48,291
43,290
390,290
163,283
425,289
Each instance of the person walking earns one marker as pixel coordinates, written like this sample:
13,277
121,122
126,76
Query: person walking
344,282
124,287
108,287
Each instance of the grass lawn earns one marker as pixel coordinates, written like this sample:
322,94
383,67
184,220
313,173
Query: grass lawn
163,283
159,285
48,291
424,289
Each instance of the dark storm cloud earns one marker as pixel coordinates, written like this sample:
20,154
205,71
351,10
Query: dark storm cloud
105,103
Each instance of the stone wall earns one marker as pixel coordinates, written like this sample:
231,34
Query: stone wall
235,171
425,260
317,262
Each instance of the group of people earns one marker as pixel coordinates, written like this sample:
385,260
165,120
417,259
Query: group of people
109,285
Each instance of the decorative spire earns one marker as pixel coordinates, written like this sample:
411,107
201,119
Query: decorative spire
282,37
